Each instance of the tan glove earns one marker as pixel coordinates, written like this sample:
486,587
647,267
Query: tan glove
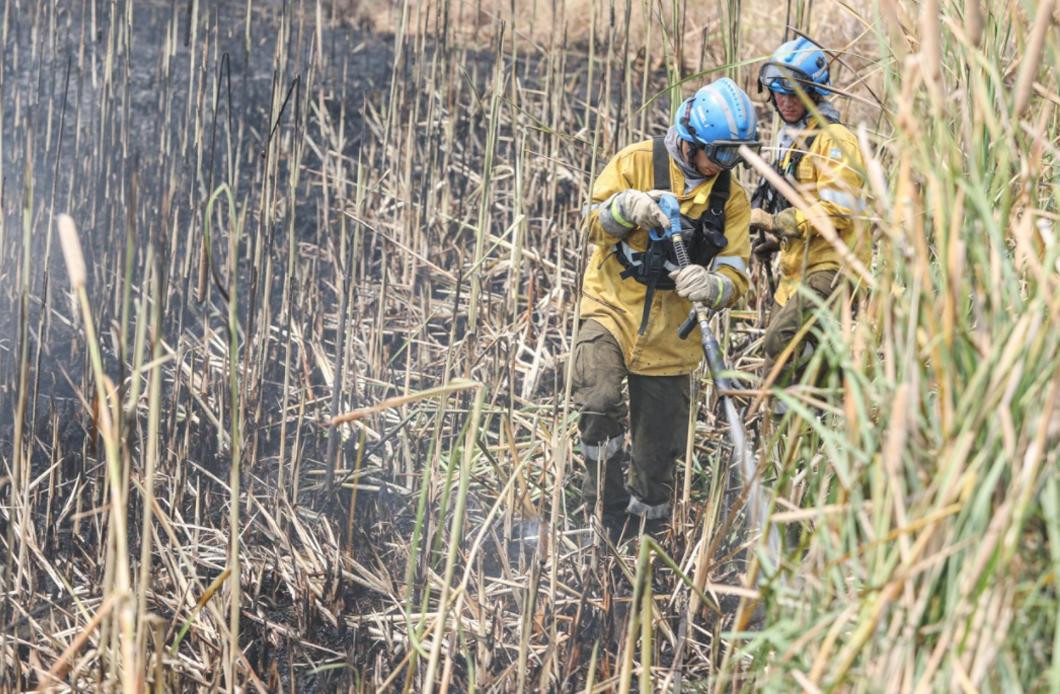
760,219
638,208
697,283
772,230
786,223
783,224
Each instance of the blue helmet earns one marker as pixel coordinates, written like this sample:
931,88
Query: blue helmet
798,61
718,119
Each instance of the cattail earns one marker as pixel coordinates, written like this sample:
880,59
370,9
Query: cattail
71,245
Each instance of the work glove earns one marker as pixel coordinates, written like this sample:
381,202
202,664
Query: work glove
783,224
765,245
772,229
638,208
760,219
786,224
697,283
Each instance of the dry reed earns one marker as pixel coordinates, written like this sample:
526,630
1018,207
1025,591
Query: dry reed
185,505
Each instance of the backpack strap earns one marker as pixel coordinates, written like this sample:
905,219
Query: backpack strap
651,268
766,196
654,260
714,217
796,157
660,164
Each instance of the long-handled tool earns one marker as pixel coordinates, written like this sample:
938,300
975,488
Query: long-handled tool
700,315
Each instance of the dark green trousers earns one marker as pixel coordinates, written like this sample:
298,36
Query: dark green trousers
786,321
657,418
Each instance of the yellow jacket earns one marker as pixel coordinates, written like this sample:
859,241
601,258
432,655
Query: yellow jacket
618,303
828,175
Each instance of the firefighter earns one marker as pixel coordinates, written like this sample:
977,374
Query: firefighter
634,299
821,158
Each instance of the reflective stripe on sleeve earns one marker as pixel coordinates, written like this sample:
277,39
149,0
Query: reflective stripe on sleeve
725,288
843,199
612,220
610,225
594,206
617,216
734,261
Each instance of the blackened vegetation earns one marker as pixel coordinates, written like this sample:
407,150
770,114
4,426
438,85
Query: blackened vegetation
390,198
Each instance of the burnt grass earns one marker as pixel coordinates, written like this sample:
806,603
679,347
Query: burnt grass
133,155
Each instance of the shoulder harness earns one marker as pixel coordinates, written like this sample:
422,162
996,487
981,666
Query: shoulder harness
766,195
704,237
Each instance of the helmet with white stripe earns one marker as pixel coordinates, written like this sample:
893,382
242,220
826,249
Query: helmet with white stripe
718,119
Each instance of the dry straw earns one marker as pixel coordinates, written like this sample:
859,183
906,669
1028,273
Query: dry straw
186,507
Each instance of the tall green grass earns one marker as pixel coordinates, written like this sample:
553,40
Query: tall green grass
927,467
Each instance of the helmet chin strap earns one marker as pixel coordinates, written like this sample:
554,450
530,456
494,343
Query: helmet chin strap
689,155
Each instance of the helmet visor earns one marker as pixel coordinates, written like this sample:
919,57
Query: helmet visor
726,153
781,79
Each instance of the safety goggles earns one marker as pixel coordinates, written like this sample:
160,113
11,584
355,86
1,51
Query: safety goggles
783,79
726,153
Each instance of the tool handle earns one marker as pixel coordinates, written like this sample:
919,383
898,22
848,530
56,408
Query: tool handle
712,350
688,326
679,250
699,314
682,260
670,206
